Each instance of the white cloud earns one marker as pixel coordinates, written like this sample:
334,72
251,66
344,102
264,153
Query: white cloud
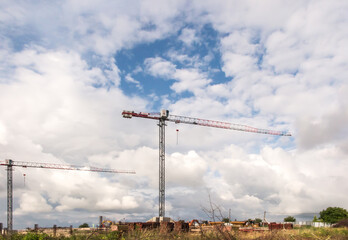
61,101
182,58
189,80
144,159
102,28
329,128
61,117
188,36
130,79
283,53
3,134
239,43
32,202
58,102
277,180
236,64
267,15
127,202
186,170
159,67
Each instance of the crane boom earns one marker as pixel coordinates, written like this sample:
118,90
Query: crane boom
10,164
164,116
203,122
61,167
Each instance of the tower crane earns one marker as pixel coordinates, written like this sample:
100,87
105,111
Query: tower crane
164,116
10,164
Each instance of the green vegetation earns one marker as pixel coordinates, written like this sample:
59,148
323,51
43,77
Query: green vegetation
333,214
289,219
258,220
315,219
84,225
296,234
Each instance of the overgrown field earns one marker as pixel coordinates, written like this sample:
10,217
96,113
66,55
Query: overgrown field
301,234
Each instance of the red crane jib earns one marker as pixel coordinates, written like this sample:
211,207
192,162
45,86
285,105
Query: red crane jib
203,122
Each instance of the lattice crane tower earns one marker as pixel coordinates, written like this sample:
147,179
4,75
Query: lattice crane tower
164,116
10,164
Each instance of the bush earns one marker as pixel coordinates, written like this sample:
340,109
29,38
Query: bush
289,219
84,225
342,223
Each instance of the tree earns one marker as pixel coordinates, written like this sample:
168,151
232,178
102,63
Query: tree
333,214
84,225
226,220
258,220
315,219
289,219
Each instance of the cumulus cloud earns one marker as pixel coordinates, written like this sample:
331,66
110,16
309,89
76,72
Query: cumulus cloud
159,67
130,79
82,26
328,129
59,117
2,134
277,180
281,65
188,36
32,202
187,79
186,170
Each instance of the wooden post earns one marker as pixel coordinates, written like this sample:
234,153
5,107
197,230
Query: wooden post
100,221
54,230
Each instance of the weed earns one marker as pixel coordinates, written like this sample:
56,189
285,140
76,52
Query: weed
213,234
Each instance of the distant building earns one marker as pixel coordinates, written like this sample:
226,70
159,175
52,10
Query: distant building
313,224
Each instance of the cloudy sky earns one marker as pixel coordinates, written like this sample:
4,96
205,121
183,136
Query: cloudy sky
69,68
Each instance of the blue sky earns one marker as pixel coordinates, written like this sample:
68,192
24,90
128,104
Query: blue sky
131,62
69,68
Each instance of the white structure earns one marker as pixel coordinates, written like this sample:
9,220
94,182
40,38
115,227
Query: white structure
314,224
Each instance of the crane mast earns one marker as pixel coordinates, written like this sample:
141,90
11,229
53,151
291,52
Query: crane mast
164,116
10,164
9,196
162,167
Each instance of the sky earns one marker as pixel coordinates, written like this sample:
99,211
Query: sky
69,68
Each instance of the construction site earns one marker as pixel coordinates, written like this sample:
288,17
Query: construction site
161,221
158,224
165,228
173,119
216,227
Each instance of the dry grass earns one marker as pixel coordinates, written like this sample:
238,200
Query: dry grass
296,234
216,233
219,233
